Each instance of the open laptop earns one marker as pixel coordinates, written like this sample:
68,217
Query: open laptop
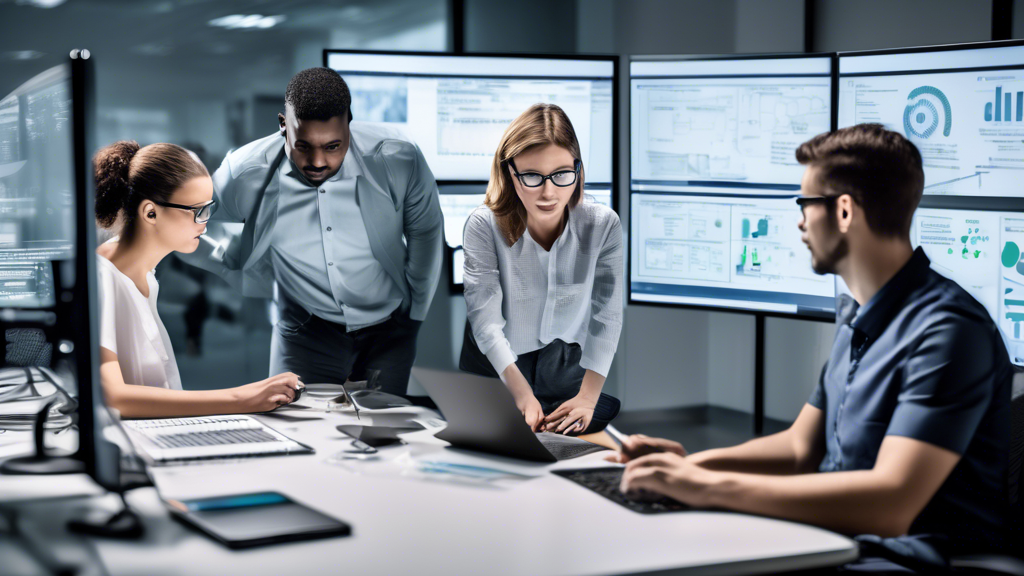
482,415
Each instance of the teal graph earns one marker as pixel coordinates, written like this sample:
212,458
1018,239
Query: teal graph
921,117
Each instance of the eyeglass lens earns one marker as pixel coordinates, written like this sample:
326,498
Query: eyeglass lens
205,213
565,178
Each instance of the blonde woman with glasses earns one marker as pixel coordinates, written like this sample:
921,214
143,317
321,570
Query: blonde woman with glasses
543,279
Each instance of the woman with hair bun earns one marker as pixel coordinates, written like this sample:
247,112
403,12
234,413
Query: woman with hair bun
160,197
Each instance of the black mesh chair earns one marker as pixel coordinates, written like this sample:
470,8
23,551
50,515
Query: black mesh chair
1012,563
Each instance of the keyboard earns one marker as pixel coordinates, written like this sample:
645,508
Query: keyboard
200,438
564,447
605,481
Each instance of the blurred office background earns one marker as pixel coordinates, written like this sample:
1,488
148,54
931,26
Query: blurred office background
210,75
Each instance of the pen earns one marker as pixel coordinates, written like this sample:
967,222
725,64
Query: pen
615,435
351,401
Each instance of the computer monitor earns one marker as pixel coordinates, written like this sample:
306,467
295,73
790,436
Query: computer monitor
713,177
456,107
724,251
963,106
37,208
48,281
733,122
983,252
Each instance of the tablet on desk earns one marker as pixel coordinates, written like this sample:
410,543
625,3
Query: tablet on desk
247,520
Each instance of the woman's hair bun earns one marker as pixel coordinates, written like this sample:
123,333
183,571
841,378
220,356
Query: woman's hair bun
112,165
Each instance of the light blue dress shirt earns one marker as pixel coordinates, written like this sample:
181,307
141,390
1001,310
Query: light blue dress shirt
332,274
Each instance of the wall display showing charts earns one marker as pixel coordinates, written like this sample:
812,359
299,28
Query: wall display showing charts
456,107
983,252
964,109
713,221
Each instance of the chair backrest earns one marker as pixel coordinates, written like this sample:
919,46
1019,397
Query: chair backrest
1017,459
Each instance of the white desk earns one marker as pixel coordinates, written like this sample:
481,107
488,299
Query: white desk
544,525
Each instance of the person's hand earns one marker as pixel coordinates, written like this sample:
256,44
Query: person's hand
530,408
572,417
669,474
639,445
265,395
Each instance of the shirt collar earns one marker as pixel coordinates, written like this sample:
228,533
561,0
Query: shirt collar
874,317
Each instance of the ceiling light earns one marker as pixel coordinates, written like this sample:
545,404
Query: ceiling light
22,55
244,21
41,3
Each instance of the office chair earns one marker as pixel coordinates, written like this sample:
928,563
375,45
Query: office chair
998,563
922,557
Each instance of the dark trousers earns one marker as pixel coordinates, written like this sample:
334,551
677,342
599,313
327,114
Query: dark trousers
321,351
553,372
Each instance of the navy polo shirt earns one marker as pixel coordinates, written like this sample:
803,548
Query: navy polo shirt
923,359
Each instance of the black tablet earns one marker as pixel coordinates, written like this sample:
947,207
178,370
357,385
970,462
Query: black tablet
246,520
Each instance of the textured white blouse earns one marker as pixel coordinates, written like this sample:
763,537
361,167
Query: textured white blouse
520,298
131,328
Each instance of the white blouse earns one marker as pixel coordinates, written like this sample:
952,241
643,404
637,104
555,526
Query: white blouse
520,298
131,328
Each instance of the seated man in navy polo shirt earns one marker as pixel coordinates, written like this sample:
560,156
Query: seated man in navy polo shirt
908,430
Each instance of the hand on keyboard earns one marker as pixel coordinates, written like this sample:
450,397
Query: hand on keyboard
266,395
638,445
671,475
607,481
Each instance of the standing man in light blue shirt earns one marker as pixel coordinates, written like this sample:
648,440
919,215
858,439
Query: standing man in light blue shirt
345,218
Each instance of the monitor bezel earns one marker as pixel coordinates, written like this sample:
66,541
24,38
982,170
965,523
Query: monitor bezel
935,48
85,310
616,96
833,120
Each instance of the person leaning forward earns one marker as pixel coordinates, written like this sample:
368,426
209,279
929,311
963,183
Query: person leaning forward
344,217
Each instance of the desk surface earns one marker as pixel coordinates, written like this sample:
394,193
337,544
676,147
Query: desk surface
403,523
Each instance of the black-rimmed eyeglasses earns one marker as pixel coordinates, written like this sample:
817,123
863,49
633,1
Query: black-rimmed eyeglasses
804,201
562,178
202,213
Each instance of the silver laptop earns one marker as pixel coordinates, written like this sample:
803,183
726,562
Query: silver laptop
482,415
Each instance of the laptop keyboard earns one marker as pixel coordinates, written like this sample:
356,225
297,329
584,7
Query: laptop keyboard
565,447
605,481
214,438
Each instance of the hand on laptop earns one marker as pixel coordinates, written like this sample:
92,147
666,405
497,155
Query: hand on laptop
572,417
638,445
526,402
532,411
266,395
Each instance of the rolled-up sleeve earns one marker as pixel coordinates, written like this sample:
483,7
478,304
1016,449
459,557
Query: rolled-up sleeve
605,303
948,385
483,294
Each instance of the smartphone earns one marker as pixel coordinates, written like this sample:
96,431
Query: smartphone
247,520
378,436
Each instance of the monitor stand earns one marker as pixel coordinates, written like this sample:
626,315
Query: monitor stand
121,524
40,462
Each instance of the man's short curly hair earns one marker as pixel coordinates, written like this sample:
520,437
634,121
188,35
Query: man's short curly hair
318,94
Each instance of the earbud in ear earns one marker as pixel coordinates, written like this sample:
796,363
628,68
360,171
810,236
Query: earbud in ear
844,213
151,215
